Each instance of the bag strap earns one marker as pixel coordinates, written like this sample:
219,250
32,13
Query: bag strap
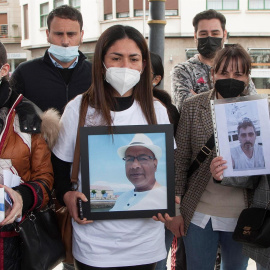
47,190
76,159
202,155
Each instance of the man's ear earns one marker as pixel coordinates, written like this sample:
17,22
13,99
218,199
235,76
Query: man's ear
155,164
47,33
195,37
5,70
225,35
82,33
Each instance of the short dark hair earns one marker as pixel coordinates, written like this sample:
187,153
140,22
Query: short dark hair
208,15
246,122
157,66
65,12
233,52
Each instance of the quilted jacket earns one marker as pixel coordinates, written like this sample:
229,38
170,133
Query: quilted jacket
24,152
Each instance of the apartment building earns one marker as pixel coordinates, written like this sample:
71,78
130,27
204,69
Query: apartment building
10,32
247,23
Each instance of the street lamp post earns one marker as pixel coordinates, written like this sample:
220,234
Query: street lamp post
157,24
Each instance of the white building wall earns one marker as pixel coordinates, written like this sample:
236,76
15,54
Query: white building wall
249,28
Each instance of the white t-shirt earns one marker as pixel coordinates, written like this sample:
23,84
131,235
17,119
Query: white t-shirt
242,162
146,200
112,243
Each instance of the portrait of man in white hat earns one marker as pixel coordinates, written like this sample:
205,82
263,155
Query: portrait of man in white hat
141,158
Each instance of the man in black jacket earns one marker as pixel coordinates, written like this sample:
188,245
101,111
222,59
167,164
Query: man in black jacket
62,73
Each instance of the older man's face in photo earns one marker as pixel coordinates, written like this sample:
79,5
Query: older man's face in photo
141,166
247,137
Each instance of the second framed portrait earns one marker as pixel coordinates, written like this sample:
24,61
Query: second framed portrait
128,171
242,131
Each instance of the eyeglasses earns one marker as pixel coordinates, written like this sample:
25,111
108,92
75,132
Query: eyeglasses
142,159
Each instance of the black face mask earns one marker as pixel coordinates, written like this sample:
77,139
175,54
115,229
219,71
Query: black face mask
207,47
229,88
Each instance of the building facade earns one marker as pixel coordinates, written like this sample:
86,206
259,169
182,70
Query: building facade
247,23
10,32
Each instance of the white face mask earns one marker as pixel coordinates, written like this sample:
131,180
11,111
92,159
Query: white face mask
122,79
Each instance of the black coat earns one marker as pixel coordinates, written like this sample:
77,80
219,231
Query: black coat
42,83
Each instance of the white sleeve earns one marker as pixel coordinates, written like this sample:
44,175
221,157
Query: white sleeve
65,144
161,113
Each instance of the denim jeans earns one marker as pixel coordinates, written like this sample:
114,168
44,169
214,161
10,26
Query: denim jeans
201,249
162,265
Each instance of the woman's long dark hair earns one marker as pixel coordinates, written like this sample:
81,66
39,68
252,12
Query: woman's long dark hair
100,94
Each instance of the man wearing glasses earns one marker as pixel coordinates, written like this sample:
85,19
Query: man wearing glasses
141,159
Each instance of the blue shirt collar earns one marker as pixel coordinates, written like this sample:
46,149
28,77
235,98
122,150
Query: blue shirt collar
73,65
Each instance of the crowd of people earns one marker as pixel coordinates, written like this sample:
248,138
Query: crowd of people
121,90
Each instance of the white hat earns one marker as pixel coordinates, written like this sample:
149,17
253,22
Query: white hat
141,139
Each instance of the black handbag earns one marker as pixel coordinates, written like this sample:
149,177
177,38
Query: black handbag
41,243
253,227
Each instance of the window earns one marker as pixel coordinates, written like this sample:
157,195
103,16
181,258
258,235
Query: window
58,3
222,4
107,9
171,12
3,25
44,12
25,21
138,8
75,3
259,4
122,8
139,13
190,52
260,69
122,15
171,8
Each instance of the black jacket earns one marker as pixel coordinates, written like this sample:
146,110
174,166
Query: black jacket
41,82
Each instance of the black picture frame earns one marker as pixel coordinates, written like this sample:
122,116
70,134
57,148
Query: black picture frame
98,147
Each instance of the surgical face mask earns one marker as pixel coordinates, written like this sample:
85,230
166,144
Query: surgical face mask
208,46
229,88
122,79
64,54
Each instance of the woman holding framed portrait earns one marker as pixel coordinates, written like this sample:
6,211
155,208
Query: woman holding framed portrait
121,94
209,211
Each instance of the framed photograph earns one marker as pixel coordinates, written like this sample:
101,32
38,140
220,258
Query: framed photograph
128,171
242,132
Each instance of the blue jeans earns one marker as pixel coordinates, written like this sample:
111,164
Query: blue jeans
162,265
201,249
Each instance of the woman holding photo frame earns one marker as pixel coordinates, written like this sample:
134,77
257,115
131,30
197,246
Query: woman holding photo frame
209,211
121,94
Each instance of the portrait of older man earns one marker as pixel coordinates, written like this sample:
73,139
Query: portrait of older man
248,154
141,158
